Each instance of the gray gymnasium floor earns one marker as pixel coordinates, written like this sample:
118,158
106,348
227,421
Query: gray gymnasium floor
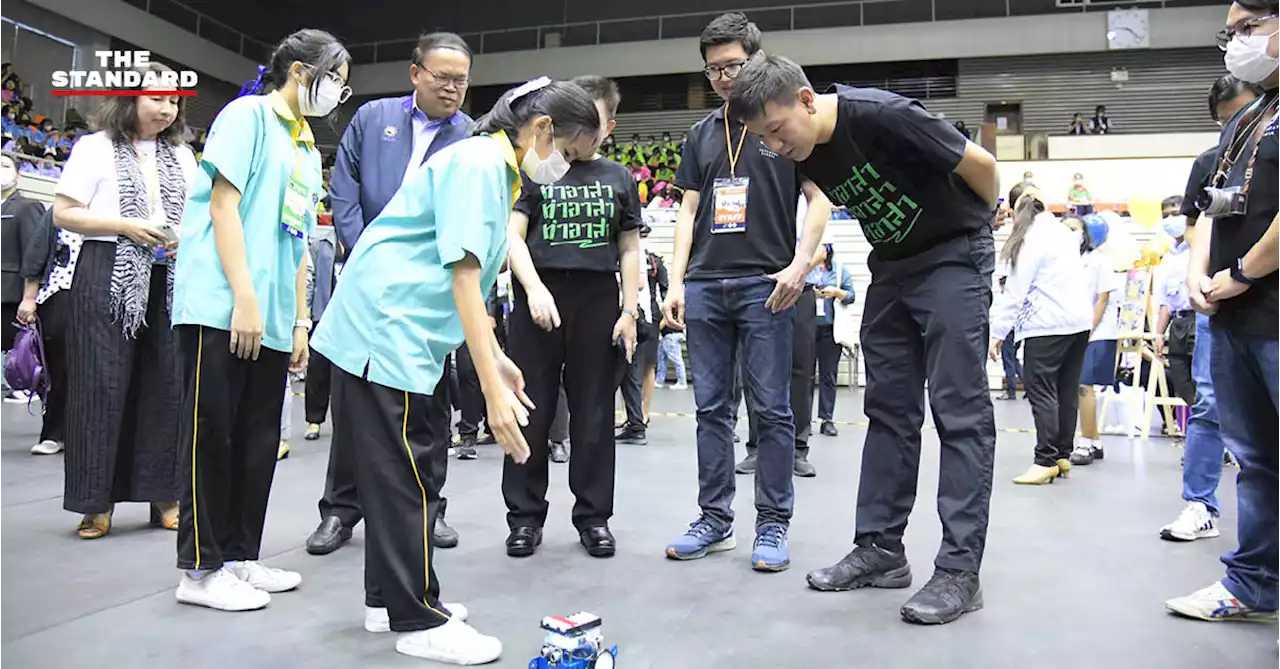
1075,574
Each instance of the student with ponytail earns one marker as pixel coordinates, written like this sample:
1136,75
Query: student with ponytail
412,291
240,312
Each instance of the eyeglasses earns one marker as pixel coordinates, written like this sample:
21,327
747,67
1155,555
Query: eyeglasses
726,71
1224,37
332,76
443,80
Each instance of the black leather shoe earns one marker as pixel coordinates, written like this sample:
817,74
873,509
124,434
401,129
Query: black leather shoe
328,537
947,596
747,466
598,541
829,429
802,466
523,541
865,566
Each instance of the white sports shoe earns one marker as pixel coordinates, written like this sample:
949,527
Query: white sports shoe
262,577
1195,522
454,642
377,621
47,447
1215,603
221,590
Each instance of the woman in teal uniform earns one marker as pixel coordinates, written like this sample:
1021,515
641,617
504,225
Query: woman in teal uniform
240,312
411,292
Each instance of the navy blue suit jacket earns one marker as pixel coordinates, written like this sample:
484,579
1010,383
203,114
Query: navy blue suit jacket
372,158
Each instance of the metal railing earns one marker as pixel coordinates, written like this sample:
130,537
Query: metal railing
205,27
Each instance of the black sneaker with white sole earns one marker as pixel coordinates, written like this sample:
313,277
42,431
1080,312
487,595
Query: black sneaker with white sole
865,566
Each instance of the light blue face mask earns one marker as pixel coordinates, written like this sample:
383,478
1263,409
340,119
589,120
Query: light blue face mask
1175,226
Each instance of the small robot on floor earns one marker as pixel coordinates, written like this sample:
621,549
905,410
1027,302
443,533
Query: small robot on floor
576,642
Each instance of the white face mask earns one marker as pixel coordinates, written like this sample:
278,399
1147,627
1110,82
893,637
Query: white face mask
8,177
328,96
1247,58
547,171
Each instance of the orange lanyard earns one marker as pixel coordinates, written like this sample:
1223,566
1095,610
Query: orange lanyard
728,144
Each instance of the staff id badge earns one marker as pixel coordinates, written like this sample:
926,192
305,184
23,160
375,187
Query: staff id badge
730,205
294,214
822,306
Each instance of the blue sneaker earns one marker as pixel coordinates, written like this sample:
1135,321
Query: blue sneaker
702,538
770,552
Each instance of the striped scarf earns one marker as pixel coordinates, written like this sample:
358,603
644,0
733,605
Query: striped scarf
131,275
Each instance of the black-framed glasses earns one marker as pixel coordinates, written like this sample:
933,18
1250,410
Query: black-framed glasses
726,71
442,80
1245,29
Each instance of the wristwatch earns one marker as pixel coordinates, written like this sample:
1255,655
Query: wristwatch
304,323
1237,274
633,313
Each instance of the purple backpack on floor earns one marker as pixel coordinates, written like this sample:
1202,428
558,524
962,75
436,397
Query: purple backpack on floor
24,366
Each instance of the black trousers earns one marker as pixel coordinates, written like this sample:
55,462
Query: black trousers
124,395
1182,343
1051,374
644,359
398,439
316,402
925,318
230,430
827,369
54,322
803,358
470,399
341,496
582,346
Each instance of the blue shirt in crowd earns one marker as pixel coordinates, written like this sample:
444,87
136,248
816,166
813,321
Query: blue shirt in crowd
820,277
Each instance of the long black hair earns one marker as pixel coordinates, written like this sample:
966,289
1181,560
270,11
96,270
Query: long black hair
319,50
572,110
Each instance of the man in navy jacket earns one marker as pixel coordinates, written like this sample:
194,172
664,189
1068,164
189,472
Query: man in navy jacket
386,141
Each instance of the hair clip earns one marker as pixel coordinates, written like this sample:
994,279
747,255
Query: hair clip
529,87
255,85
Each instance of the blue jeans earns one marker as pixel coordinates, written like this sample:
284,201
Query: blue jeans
669,350
1202,460
1012,368
1245,378
726,319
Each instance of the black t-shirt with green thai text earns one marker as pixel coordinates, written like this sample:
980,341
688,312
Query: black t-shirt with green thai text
574,223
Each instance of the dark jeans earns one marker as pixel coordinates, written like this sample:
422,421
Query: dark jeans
470,399
1012,368
828,364
926,318
802,361
727,319
1245,380
1202,459
1052,378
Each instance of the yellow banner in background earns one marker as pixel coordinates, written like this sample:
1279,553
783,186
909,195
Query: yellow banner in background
1145,212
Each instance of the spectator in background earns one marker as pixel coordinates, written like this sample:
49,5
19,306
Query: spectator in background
1077,127
25,248
964,130
1105,291
1079,200
833,283
1099,124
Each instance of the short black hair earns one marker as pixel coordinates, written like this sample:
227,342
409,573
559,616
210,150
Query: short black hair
440,40
730,28
570,107
118,115
602,89
1174,201
766,79
1227,88
1272,6
319,50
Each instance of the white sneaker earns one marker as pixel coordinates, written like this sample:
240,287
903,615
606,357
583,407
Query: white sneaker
1195,522
47,447
222,591
18,396
680,386
265,578
377,621
454,642
1215,604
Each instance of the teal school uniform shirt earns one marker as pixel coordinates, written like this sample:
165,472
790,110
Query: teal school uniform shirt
258,146
392,318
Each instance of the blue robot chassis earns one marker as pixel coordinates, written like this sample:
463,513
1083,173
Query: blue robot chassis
575,642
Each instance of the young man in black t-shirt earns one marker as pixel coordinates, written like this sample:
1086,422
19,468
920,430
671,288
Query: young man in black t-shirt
1238,287
738,272
925,197
568,241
